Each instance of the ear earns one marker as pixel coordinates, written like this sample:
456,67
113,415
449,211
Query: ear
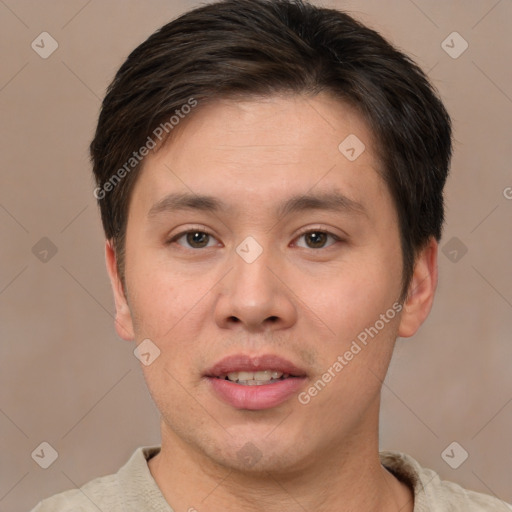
124,323
421,292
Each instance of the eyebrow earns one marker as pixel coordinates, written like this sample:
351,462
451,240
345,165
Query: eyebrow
331,201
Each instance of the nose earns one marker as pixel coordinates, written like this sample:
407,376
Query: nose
255,296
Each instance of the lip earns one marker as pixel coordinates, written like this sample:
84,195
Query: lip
264,396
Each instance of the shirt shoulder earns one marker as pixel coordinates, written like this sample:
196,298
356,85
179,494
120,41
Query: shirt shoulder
131,489
431,494
101,493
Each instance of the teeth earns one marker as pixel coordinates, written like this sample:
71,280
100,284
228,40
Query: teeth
255,378
243,375
262,376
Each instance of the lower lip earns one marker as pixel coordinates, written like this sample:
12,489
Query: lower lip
255,398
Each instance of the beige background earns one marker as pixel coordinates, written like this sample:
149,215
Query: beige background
65,376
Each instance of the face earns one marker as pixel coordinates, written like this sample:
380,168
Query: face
258,248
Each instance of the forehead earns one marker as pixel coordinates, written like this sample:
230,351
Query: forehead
277,126
256,149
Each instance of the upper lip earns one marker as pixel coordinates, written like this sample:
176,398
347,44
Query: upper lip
247,363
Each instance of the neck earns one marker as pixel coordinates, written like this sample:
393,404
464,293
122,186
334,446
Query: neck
344,479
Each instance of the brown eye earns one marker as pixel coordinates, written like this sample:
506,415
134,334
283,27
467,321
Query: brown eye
193,239
197,239
317,239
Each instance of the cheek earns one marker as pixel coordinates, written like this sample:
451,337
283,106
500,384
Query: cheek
351,298
171,392
163,301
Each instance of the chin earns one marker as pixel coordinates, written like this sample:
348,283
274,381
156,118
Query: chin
250,460
258,454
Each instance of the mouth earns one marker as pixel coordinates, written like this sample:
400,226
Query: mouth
258,378
255,383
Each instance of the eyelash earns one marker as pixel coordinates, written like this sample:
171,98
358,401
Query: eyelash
206,232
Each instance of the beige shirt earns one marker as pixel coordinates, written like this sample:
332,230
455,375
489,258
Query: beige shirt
133,489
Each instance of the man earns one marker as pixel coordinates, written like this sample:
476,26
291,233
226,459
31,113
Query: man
270,176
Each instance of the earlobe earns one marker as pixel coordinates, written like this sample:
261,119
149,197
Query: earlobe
421,293
123,320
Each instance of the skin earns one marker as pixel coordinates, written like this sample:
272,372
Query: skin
302,301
